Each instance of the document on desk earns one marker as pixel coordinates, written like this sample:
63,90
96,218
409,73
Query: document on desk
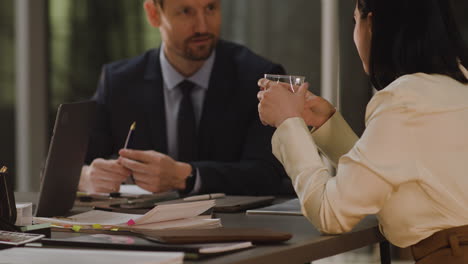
291,207
171,215
22,255
132,189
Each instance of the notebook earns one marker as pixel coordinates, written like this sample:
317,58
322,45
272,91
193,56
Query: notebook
216,235
67,150
186,215
233,203
132,242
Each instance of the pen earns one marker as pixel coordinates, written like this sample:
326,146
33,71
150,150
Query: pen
130,134
129,137
204,197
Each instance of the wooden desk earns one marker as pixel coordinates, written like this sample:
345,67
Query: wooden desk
306,245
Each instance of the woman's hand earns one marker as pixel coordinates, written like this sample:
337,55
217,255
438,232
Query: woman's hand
317,110
278,102
276,106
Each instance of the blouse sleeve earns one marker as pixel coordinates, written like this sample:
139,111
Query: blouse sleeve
366,175
335,138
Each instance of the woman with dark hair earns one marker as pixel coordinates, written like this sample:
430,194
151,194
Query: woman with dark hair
410,167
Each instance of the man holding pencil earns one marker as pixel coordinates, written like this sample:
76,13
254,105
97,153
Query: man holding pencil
194,104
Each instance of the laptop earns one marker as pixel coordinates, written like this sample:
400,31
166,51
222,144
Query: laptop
67,151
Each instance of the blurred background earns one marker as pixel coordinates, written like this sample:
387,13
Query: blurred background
52,51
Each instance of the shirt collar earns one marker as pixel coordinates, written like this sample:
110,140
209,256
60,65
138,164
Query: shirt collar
172,77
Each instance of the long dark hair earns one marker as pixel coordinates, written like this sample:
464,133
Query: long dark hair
411,36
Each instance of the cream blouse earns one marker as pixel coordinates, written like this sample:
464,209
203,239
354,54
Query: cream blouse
410,167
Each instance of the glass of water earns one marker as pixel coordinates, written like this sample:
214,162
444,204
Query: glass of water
294,81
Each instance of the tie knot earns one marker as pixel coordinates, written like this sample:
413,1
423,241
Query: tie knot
186,87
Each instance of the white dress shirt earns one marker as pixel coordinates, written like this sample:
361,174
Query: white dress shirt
173,97
410,167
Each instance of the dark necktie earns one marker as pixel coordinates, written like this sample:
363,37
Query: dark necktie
186,124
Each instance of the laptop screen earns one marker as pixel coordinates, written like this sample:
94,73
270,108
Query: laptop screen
65,158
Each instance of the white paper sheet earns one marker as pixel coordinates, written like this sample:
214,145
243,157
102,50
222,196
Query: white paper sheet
168,212
132,189
73,256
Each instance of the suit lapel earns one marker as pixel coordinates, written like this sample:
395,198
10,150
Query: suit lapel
222,83
220,87
154,103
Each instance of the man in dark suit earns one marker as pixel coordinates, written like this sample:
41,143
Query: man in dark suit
195,107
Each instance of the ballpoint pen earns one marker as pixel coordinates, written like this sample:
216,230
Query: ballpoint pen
130,134
127,141
205,197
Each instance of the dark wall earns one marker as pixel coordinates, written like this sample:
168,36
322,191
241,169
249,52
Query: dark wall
7,138
461,14
7,82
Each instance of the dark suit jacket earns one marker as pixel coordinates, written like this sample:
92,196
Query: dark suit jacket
234,153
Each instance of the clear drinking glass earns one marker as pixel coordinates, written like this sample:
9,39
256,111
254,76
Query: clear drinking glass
293,80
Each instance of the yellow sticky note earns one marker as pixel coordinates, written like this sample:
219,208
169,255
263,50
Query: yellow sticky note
97,226
114,229
76,228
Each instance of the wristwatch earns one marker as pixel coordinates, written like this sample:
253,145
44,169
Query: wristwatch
190,181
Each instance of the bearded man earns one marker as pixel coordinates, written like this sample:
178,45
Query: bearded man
194,103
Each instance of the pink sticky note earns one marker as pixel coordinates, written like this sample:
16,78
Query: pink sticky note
130,222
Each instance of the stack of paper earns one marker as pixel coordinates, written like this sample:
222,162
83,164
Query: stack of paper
184,215
75,256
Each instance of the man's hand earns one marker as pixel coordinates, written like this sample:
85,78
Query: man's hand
154,171
102,176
